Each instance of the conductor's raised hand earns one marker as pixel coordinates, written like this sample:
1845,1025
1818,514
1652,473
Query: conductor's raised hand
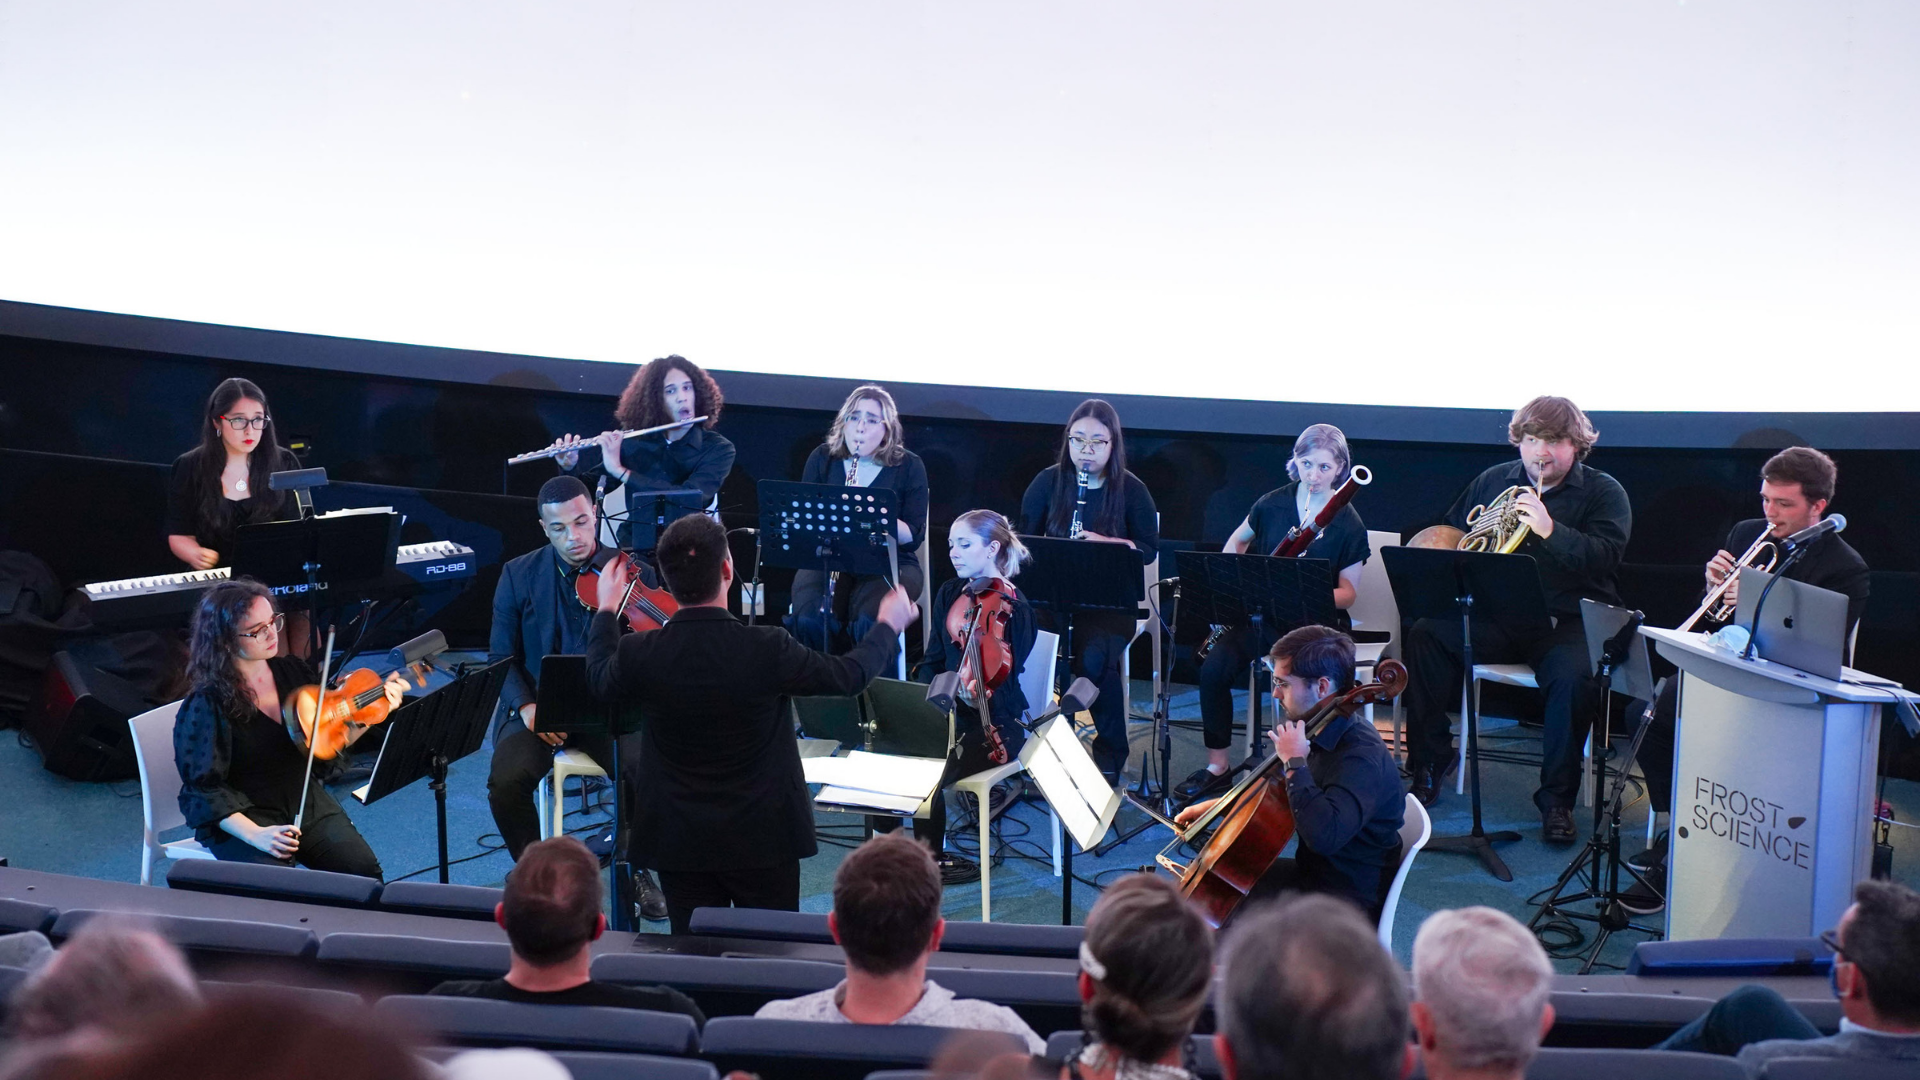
612,587
898,610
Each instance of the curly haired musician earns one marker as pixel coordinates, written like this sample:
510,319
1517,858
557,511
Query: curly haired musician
1578,520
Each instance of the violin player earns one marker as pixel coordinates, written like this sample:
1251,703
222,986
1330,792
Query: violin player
1342,784
537,612
241,774
986,555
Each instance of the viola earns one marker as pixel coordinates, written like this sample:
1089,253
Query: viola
643,607
358,702
978,622
1254,820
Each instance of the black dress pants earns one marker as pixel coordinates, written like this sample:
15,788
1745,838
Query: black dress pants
328,840
1100,640
1224,671
1559,662
521,760
776,888
969,756
1656,749
856,605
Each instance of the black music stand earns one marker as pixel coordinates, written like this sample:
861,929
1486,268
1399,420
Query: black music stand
633,500
429,733
1431,583
1067,577
829,528
1258,591
342,556
566,703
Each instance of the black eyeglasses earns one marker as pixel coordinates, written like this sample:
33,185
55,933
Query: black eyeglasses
242,423
1831,939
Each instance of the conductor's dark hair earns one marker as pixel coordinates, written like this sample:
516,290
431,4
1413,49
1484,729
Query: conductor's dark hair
1883,940
551,905
1316,652
1066,484
561,489
886,902
691,554
212,509
643,404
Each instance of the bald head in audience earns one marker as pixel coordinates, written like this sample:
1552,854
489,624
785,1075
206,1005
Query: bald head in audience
1480,986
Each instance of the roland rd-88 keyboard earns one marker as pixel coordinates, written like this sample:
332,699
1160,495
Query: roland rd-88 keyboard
167,598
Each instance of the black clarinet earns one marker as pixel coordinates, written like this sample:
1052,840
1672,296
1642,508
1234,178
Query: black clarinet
1077,531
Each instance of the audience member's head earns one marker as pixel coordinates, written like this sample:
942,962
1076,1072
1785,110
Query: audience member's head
1880,945
551,906
242,1039
112,973
1309,994
1480,987
886,905
1146,967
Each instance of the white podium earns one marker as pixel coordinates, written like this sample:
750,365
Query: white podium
1773,793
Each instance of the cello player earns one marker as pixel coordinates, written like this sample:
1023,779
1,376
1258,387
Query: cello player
1343,785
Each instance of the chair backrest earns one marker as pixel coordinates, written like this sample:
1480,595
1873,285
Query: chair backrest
1584,1064
1731,958
296,884
17,916
1598,1020
209,935
1819,1068
1415,830
799,1050
1036,676
905,722
1374,608
337,1003
720,985
159,777
761,924
1013,939
598,1066
432,898
437,957
1046,1000
484,1022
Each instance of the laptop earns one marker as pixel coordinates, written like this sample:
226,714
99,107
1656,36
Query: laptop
1802,626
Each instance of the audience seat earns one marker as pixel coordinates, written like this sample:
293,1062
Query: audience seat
797,1050
1586,1064
760,924
997,939
720,985
448,901
404,964
1206,1064
1816,1068
480,1022
196,935
595,1066
1046,1000
291,883
1620,1021
333,1002
1727,958
19,916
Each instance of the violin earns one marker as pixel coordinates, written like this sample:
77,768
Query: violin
643,607
977,622
356,703
1255,820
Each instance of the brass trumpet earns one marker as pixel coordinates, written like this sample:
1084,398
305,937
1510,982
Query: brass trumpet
1495,526
1717,607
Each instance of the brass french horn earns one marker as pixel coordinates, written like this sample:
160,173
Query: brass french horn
1495,526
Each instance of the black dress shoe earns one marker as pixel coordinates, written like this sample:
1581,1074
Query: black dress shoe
1203,784
1556,824
1424,784
1653,858
653,902
1642,900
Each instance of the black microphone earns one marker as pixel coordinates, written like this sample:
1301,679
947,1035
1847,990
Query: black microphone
1615,650
1830,523
599,493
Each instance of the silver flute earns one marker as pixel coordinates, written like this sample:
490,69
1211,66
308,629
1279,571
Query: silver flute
581,444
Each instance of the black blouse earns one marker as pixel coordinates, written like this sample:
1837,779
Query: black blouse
1343,542
1141,517
249,766
699,459
908,480
184,517
1009,701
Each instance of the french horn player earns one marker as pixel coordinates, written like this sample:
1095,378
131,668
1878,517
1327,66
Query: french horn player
1573,520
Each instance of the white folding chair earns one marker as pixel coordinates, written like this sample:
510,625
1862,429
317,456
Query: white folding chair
1149,625
566,763
1036,682
925,599
1415,831
160,790
1375,610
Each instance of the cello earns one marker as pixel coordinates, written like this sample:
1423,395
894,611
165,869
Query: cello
1254,820
977,622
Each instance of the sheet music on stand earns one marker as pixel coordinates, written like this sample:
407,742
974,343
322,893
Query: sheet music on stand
1070,782
888,783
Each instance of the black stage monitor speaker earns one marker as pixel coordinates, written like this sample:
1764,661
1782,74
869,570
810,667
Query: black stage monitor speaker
79,724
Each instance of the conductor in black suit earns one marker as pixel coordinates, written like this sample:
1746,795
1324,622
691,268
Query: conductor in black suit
723,815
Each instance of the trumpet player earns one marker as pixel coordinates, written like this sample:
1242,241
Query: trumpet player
1577,520
669,390
1796,485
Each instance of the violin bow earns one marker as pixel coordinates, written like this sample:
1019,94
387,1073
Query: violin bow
313,737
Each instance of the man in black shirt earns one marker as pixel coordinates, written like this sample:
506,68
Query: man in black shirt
1342,783
537,612
723,812
1578,520
1796,485
551,913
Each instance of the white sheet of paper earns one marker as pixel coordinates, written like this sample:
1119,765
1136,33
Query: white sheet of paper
893,804
882,774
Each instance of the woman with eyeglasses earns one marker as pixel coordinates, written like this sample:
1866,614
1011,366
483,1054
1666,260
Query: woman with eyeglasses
1088,494
865,447
241,773
221,484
